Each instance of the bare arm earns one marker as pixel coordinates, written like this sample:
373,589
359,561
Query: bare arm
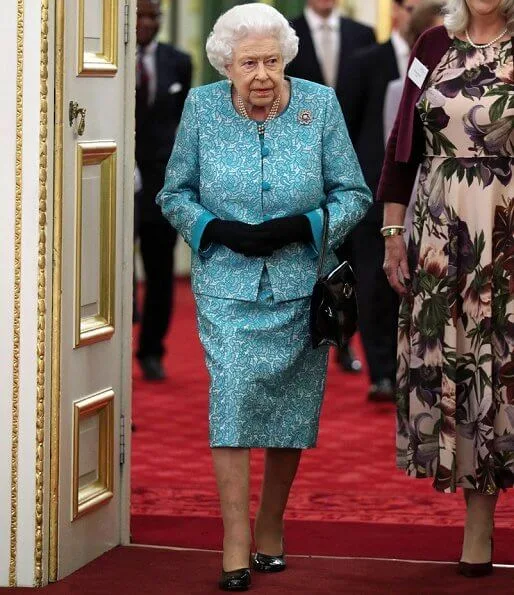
395,263
394,213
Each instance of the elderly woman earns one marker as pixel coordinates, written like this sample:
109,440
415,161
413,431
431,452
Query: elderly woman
255,159
456,336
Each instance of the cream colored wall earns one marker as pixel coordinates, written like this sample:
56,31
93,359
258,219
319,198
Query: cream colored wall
362,10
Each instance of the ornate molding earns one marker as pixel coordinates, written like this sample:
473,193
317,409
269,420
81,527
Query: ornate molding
56,292
17,293
41,295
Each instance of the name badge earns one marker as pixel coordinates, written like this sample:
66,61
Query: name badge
417,73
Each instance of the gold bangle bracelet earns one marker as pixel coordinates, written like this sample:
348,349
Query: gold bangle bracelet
392,230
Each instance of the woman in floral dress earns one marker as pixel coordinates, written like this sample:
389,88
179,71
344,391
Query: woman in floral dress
455,376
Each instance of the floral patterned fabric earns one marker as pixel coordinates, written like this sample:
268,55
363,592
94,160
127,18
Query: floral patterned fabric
456,333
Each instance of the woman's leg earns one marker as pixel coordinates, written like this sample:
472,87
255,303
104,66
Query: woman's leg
478,531
280,469
232,468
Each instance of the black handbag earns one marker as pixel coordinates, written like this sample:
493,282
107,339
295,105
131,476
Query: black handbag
333,314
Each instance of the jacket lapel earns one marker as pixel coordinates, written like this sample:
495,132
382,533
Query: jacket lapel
160,59
304,33
392,62
345,48
436,45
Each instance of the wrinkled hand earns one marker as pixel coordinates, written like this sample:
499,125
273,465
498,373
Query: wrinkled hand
239,237
287,230
395,264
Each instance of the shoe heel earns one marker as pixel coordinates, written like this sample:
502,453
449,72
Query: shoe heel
470,570
264,563
235,580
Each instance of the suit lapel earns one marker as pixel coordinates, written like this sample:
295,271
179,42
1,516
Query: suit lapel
391,60
160,69
347,42
345,49
304,33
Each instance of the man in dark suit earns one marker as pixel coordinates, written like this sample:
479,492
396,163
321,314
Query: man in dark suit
327,41
162,82
367,77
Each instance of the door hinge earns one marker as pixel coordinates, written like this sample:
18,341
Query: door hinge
122,439
126,15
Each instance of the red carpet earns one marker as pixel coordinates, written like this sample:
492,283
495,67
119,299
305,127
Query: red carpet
323,538
349,478
145,571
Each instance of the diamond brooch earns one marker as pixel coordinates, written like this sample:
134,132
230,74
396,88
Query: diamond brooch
305,117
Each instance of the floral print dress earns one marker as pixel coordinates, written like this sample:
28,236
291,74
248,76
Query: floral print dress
456,333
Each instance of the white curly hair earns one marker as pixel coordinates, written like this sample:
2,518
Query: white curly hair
248,19
457,15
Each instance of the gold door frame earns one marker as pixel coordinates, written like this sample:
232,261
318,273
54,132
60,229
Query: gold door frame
55,405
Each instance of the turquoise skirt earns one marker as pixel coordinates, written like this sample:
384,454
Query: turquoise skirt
267,383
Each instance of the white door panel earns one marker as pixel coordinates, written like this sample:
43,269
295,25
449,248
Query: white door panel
93,342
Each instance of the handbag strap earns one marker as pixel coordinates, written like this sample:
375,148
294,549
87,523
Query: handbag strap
324,244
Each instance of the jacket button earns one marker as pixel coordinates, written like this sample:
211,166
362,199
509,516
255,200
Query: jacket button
266,186
265,151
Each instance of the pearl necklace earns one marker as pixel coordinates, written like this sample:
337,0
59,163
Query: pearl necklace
261,126
481,46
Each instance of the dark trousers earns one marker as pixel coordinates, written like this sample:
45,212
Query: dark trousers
378,303
157,242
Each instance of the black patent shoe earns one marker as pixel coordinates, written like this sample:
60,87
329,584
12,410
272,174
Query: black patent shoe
264,563
475,570
235,580
471,570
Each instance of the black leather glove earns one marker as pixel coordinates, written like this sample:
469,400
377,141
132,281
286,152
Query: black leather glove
239,237
287,230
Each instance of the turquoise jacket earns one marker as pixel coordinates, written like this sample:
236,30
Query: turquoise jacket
220,167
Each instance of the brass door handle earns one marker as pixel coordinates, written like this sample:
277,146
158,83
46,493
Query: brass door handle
74,112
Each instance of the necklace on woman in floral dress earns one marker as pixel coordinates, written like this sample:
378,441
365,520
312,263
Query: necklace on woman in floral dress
483,46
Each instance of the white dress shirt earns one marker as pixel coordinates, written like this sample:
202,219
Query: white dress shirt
326,36
150,64
401,51
391,104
